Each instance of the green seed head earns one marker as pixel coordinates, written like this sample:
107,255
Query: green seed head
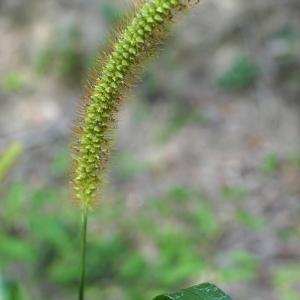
136,43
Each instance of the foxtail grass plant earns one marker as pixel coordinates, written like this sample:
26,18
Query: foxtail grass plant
117,71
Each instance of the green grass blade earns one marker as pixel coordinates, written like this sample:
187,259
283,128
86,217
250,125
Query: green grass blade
9,157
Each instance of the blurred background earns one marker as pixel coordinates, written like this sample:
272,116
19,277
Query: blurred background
205,178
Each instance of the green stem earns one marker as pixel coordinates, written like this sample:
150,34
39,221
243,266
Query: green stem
83,253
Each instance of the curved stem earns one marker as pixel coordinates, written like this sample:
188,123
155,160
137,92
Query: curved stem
83,253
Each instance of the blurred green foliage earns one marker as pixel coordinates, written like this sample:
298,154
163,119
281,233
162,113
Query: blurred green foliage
11,290
13,82
63,56
171,240
249,220
290,39
126,165
287,281
288,59
166,244
179,116
9,157
234,193
110,11
241,75
242,266
271,164
61,162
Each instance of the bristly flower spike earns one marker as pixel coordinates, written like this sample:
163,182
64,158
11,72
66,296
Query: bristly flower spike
136,43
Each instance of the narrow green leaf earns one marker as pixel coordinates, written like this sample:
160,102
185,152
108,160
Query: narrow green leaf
204,291
9,157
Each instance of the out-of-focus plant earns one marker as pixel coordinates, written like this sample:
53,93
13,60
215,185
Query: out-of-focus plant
241,75
271,164
9,157
10,290
13,82
286,280
63,56
110,11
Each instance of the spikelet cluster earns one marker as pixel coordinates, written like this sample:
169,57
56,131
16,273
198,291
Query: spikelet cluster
93,143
